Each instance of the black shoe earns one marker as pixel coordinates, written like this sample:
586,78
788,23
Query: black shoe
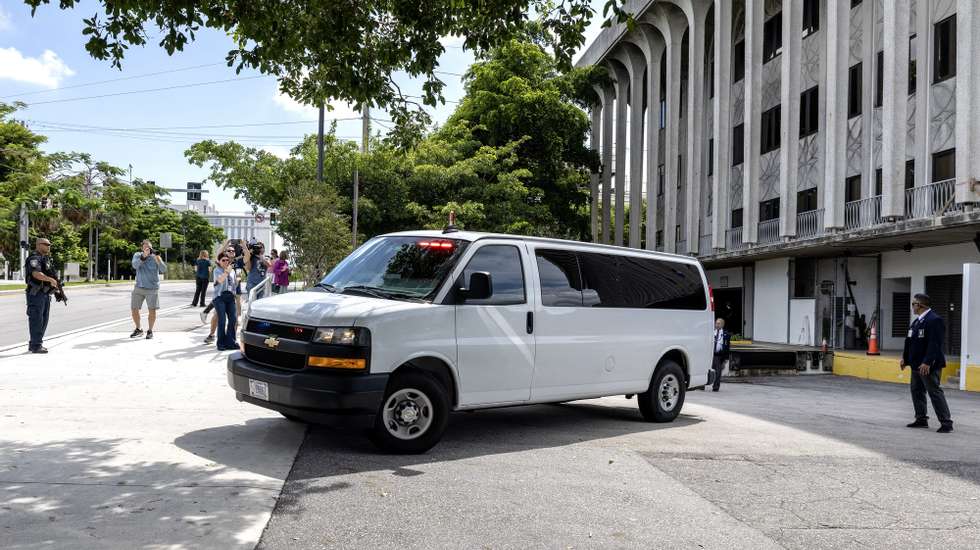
149,335
918,424
137,332
39,349
209,339
942,430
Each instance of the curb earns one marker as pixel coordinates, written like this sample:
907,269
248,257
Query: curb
91,328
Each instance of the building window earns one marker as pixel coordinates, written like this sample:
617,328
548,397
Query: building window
944,62
809,111
661,177
663,114
854,78
811,17
738,144
855,3
912,64
769,210
770,130
852,188
736,218
772,38
804,278
660,237
677,233
680,170
738,62
910,174
806,200
944,165
878,182
879,77
711,157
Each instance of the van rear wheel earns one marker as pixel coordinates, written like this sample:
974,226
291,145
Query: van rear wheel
664,398
413,415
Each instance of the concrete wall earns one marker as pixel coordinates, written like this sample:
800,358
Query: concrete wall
771,300
734,275
923,262
802,321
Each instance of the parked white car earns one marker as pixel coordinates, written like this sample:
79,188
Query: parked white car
414,325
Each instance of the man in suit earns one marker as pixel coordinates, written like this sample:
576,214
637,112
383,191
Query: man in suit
722,343
924,354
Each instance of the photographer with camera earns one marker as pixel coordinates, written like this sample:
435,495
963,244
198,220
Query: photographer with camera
41,283
256,265
148,266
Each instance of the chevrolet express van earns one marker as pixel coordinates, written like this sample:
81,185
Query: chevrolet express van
412,326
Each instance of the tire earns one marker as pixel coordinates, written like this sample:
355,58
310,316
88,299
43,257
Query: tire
413,415
662,402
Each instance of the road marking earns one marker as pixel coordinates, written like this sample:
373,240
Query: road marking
91,328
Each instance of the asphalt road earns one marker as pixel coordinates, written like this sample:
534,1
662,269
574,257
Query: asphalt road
795,462
87,306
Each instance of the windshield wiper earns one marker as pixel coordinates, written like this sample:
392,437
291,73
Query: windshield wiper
326,286
381,293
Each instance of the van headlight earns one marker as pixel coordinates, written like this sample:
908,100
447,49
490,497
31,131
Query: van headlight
345,336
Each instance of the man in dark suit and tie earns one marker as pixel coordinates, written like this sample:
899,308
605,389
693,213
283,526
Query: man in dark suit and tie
924,354
722,343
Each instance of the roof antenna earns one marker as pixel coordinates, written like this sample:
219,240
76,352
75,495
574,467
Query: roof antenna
451,228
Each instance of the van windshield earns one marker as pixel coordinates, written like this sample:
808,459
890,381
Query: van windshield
396,267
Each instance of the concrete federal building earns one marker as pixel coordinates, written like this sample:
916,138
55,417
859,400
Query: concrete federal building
819,156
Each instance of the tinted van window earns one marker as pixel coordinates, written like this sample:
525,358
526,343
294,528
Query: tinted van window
561,284
503,263
627,281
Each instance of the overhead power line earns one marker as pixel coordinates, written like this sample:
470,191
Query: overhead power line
133,77
197,127
148,90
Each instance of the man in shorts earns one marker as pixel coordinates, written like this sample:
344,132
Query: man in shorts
148,266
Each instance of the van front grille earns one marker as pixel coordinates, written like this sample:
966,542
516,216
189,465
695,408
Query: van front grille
273,358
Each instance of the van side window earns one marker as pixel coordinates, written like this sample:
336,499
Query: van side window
561,283
628,281
503,263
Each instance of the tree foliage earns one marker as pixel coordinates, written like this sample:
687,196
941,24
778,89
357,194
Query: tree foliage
69,193
337,50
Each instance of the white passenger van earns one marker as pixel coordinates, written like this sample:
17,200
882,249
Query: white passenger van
414,325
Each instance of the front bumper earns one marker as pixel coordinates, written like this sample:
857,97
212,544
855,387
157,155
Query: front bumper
322,397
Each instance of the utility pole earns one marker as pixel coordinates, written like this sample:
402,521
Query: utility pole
365,134
319,149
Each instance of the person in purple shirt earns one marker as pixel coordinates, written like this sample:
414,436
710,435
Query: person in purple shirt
280,273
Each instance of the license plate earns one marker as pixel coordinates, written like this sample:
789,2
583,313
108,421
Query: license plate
258,389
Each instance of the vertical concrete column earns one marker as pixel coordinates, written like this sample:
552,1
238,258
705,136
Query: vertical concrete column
595,132
789,111
652,44
894,112
967,102
722,122
608,107
869,60
970,328
632,58
622,111
923,91
753,114
695,123
835,114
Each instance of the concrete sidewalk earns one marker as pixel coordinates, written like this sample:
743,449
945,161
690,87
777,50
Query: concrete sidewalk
108,442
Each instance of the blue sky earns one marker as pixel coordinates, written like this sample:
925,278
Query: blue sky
43,59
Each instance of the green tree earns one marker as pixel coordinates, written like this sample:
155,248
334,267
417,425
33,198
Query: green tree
318,235
334,50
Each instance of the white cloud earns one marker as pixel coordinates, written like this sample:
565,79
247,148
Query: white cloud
48,70
452,41
340,109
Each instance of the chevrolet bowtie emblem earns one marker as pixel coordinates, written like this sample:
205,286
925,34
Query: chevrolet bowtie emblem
272,342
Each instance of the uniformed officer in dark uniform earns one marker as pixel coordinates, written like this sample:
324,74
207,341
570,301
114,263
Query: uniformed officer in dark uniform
924,353
41,282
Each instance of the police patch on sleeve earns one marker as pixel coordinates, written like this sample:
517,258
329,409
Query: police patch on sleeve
35,264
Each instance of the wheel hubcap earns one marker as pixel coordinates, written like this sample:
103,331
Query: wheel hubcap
669,392
407,413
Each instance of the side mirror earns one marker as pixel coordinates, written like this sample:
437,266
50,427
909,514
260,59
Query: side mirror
480,287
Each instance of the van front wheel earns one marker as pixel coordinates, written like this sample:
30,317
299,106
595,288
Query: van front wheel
664,398
413,415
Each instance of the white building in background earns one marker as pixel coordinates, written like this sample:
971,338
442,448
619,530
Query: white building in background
237,225
818,156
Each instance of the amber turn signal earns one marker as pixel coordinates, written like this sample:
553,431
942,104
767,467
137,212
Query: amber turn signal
336,363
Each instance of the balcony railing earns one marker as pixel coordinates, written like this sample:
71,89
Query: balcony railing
930,200
769,231
863,213
704,245
735,239
809,224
